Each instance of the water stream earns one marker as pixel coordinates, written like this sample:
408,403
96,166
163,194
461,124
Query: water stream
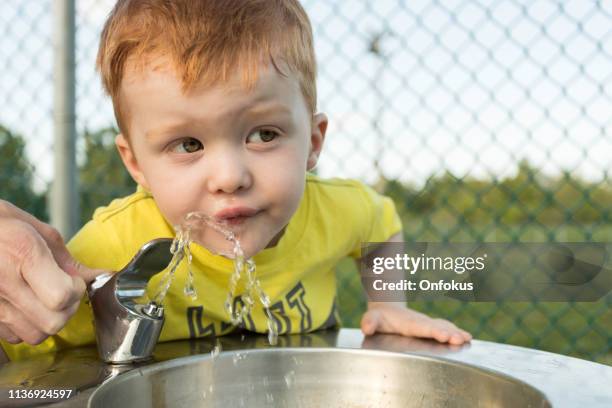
243,269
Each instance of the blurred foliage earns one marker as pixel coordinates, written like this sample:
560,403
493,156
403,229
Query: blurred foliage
16,176
102,176
527,206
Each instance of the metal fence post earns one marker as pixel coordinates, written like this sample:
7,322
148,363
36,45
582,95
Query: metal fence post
64,196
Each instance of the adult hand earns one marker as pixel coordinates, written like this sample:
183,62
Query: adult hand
41,285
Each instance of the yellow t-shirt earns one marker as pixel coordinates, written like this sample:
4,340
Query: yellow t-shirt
334,217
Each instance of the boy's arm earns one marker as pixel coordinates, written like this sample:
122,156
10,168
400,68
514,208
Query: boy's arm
397,318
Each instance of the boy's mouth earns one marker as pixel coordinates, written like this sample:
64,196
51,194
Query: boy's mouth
235,215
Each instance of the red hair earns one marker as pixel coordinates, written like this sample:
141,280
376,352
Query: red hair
206,41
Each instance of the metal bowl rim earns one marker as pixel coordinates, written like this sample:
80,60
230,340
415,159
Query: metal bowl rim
180,361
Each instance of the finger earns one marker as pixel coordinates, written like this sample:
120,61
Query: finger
369,322
458,336
50,235
425,327
18,324
62,257
7,335
456,339
86,273
441,335
37,267
48,321
450,333
455,335
420,325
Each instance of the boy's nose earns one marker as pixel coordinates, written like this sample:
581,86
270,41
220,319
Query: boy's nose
228,174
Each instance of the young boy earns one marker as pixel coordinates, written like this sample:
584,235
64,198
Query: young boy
216,105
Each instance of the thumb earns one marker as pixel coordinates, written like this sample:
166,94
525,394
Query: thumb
70,265
86,273
370,322
63,257
73,267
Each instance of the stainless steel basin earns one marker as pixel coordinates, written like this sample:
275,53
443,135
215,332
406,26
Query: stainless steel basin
314,377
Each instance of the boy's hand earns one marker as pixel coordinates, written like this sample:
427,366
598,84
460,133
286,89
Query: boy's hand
398,319
41,285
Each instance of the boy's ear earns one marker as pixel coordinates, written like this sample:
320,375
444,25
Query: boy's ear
129,160
317,137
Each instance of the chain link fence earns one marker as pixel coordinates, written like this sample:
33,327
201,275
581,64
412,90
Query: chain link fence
485,121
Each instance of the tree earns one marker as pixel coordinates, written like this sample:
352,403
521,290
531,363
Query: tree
16,176
102,177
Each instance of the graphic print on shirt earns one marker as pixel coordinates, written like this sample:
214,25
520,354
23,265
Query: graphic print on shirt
295,299
282,311
195,322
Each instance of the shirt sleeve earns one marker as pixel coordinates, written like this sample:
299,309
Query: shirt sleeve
381,219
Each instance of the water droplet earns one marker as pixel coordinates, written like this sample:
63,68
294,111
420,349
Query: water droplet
272,331
237,357
290,378
216,350
248,300
190,291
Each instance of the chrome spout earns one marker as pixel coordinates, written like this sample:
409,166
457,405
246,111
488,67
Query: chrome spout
127,324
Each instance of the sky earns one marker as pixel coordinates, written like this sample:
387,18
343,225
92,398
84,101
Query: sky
471,87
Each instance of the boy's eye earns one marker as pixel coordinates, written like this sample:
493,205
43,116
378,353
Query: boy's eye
262,135
187,145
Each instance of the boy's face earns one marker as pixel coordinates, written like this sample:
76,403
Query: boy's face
224,151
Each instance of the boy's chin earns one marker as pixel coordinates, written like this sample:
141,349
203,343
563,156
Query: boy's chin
249,250
251,244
